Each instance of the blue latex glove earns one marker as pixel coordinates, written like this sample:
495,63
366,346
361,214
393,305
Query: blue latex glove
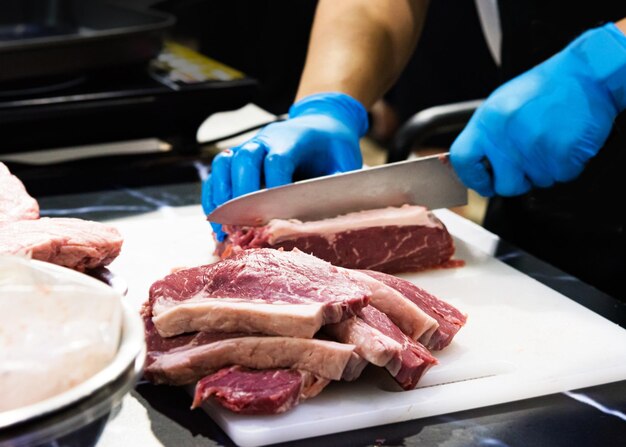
543,126
320,137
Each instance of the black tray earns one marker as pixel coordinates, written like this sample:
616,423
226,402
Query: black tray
40,38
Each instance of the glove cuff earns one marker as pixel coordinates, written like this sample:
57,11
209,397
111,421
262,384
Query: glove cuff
336,104
603,50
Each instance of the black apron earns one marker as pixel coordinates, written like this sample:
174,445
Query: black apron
576,226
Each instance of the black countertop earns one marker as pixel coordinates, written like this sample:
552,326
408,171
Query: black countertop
593,416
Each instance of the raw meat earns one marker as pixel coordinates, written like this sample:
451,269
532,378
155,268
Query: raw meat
243,327
406,314
263,291
179,367
186,358
15,203
74,243
407,366
381,342
408,238
448,317
251,391
374,346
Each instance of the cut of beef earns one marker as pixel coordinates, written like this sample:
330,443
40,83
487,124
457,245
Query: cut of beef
371,344
412,361
381,342
406,314
186,358
243,328
323,358
263,291
448,317
74,243
15,203
249,391
408,238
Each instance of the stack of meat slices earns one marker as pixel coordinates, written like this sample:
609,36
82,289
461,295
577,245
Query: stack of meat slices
264,329
75,243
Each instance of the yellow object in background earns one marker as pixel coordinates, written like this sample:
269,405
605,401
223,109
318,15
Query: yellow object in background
188,66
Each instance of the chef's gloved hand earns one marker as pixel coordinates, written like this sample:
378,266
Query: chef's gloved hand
320,137
543,126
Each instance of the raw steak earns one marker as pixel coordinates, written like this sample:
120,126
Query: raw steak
413,360
74,243
408,238
448,317
262,291
381,342
252,391
15,203
186,358
406,314
371,344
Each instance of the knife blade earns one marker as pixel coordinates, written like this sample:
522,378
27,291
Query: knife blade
428,181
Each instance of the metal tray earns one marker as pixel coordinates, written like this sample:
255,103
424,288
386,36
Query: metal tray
41,38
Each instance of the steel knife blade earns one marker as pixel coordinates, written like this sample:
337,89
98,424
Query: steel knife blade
428,181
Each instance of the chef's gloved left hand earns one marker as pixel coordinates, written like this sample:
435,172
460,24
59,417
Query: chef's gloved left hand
543,126
321,137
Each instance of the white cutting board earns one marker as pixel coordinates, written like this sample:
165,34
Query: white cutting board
521,340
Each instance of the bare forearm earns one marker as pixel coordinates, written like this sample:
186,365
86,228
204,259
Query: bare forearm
359,47
621,25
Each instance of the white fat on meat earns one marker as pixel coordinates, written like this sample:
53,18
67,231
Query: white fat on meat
370,343
406,215
326,359
237,315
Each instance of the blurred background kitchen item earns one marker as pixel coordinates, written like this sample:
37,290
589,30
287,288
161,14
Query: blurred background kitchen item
86,72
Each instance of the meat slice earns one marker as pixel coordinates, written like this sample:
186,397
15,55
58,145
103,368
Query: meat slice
405,313
183,366
381,342
249,391
412,361
448,317
74,243
263,291
15,203
370,343
403,239
186,358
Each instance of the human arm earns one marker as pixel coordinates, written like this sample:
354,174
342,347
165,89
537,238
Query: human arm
357,49
543,126
360,47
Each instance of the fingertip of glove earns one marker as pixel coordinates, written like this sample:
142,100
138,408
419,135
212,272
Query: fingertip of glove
219,233
205,196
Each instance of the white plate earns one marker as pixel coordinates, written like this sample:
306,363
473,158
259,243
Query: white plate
132,345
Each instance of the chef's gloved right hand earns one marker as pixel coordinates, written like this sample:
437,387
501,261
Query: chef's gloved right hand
543,126
321,137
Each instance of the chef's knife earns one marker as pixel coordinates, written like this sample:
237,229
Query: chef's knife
427,181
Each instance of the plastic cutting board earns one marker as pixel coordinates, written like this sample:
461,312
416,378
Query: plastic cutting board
522,339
